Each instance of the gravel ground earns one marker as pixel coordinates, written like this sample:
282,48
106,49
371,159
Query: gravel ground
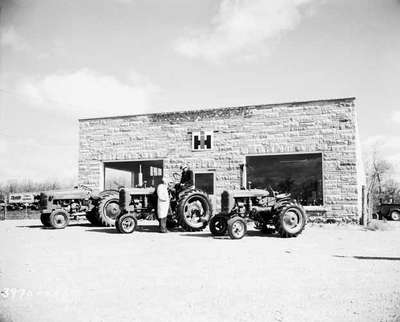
86,273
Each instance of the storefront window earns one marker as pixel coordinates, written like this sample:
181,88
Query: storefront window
298,174
128,174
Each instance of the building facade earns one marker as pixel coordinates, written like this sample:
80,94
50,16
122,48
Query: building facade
307,148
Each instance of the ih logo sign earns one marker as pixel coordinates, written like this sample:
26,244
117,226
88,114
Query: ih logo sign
202,140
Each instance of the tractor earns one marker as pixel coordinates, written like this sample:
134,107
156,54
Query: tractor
270,211
190,208
59,207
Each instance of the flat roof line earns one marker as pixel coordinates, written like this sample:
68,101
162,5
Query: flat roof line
220,108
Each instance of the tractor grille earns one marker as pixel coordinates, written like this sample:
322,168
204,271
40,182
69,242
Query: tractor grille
122,199
43,201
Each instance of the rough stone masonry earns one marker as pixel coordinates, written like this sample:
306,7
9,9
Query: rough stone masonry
325,126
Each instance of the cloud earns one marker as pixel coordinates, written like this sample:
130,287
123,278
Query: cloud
40,161
386,147
86,93
244,29
3,146
396,117
10,38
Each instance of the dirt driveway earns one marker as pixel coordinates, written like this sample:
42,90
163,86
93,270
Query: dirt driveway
84,273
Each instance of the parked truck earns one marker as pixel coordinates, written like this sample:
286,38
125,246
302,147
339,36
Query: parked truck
390,211
22,200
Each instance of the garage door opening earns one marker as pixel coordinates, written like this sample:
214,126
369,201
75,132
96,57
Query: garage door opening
132,174
298,174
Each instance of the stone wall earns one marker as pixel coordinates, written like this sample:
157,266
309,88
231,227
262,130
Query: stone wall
326,126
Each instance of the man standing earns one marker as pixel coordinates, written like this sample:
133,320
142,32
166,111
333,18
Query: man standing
163,204
187,177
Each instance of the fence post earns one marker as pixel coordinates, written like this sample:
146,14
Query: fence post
4,212
364,219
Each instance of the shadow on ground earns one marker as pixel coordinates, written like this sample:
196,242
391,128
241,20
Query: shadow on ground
139,229
43,227
370,257
251,233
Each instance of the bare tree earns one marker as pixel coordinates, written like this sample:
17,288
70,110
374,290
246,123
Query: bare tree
14,186
378,174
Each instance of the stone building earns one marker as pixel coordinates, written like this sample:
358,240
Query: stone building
307,148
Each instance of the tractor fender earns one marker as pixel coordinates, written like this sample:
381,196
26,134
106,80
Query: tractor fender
283,203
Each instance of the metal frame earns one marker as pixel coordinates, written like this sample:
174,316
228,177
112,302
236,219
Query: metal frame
205,172
291,153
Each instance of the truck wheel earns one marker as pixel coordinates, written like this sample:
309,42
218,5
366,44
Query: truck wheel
45,219
218,225
59,219
194,210
395,215
290,221
237,228
108,210
126,223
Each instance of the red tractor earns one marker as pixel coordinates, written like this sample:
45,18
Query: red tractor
271,212
190,208
59,207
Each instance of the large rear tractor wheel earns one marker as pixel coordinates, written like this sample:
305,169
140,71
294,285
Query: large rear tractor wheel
45,219
108,210
290,221
126,224
218,225
237,228
194,210
59,219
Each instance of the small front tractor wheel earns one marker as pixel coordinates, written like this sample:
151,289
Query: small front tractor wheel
116,223
218,225
126,223
290,221
45,219
59,219
237,228
108,210
395,215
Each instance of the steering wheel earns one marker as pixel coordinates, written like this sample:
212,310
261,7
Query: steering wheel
176,176
272,191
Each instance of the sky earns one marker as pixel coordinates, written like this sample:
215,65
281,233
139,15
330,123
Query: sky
65,60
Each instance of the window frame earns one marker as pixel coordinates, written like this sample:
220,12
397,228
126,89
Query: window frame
205,172
322,154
